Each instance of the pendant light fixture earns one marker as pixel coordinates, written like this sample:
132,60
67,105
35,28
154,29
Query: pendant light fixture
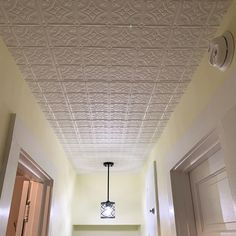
108,207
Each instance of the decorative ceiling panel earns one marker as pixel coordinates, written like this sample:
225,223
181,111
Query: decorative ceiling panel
108,74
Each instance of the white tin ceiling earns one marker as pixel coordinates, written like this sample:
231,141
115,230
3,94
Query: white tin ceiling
108,73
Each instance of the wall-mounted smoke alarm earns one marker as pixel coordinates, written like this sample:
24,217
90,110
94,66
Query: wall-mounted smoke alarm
221,51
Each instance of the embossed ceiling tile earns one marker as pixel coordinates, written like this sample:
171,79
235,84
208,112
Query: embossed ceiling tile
124,36
148,129
187,76
117,115
38,55
137,107
93,36
92,12
140,98
51,87
119,98
30,35
65,123
34,87
171,106
77,97
39,97
185,37
141,88
7,36
178,56
45,108
197,56
182,87
194,12
155,107
68,55
95,56
44,72
62,35
120,107
126,12
166,115
54,97
160,98
207,34
83,123
79,107
81,115
154,115
171,73
99,107
165,87
218,12
120,73
119,87
176,98
162,123
146,135
134,124
62,115
69,72
99,115
136,115
21,11
160,12
78,86
27,73
84,129
154,37
122,56
49,115
98,97
3,19
58,107
57,11
149,57
94,87
146,73
96,72
18,55
149,123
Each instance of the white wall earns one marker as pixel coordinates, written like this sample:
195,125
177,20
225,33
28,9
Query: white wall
90,191
15,97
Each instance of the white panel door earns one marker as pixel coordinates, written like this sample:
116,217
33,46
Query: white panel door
212,199
151,203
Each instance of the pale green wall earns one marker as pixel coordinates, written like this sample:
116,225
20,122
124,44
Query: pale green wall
206,82
15,97
90,191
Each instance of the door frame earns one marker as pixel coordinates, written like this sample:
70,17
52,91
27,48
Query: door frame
20,141
180,183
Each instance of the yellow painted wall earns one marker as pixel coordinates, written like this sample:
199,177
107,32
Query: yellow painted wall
206,82
15,97
90,191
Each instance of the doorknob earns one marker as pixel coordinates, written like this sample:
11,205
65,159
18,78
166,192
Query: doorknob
152,211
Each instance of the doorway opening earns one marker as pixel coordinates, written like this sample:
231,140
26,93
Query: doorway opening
202,197
31,199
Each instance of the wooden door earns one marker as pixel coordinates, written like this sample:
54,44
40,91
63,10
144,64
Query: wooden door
212,199
151,203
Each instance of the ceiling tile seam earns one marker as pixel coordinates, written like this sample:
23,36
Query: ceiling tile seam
58,78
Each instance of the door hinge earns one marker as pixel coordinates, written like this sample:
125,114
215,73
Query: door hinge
27,210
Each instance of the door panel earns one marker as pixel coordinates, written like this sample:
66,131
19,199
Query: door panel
212,199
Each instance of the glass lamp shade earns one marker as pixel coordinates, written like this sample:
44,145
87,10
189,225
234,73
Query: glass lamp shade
107,209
